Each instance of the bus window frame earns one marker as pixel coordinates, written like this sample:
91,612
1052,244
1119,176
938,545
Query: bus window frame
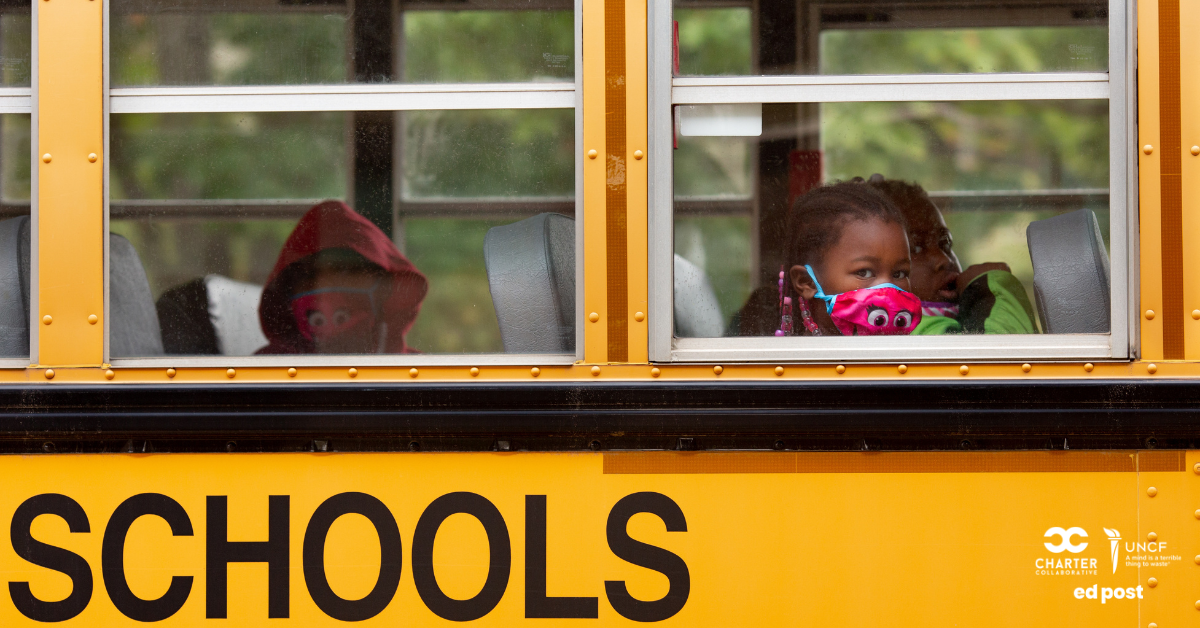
351,97
666,91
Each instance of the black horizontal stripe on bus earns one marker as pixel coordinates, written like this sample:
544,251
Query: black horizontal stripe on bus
936,415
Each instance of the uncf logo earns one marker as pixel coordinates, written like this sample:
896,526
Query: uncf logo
1065,540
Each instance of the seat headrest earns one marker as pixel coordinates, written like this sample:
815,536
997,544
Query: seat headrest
1070,273
697,312
531,275
133,321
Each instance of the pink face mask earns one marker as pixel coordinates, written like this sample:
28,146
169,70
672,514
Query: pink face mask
328,312
882,310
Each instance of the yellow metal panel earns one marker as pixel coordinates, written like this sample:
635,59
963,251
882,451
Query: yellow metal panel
595,286
847,539
1189,74
70,205
1149,181
638,218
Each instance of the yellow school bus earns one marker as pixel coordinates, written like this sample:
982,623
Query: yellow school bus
582,395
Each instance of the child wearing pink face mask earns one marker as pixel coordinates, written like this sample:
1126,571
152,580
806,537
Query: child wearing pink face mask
340,286
846,271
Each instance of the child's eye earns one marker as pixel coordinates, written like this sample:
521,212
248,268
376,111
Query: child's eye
864,273
900,274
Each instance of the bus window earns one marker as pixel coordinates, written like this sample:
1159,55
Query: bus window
280,205
15,230
889,37
256,42
980,131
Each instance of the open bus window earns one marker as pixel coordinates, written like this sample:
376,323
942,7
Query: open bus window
979,131
264,42
257,237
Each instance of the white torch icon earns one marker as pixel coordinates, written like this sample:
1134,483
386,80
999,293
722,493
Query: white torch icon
1114,542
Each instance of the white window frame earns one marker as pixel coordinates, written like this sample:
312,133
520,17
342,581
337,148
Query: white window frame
349,97
1118,85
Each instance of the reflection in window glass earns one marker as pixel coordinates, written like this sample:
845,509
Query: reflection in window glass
884,37
488,46
179,43
15,44
988,168
225,215
943,51
489,153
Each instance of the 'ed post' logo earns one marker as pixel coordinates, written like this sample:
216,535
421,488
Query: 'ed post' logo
1065,540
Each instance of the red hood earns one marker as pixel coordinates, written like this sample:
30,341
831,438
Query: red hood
330,225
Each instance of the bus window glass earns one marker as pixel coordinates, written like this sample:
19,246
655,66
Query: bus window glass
889,37
989,168
16,47
251,42
365,228
15,249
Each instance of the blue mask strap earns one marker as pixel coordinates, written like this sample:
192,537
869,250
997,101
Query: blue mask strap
370,292
828,299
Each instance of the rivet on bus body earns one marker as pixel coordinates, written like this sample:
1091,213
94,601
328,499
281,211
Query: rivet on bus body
779,371
352,372
413,372
49,373
1197,559
1197,513
171,373
1149,315
1153,582
109,374
1147,149
1152,625
841,368
637,154
594,317
1026,367
592,154
1088,367
595,371
93,319
92,157
903,368
1196,468
1198,605
47,319
46,158
1152,492
964,369
535,371
474,371
654,372
230,373
1151,368
1152,537
639,316
292,372
1196,315
1196,150
718,369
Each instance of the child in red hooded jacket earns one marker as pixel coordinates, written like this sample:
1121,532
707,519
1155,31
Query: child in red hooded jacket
339,286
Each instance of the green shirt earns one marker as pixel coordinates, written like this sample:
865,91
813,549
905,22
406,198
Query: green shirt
993,303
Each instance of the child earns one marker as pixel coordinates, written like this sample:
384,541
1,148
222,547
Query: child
339,286
983,299
846,272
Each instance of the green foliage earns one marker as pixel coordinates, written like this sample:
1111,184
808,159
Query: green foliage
489,153
457,315
1019,49
488,46
714,167
16,48
721,246
714,41
15,177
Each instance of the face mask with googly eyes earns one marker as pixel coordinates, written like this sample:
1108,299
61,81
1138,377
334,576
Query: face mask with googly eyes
882,310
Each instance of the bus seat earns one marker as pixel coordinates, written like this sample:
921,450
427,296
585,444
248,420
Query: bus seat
697,312
14,287
1070,273
133,321
531,275
212,315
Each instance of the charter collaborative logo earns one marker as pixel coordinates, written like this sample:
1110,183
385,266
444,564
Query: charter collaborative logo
1069,540
1065,536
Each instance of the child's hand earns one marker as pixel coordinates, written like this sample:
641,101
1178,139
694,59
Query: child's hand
973,272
